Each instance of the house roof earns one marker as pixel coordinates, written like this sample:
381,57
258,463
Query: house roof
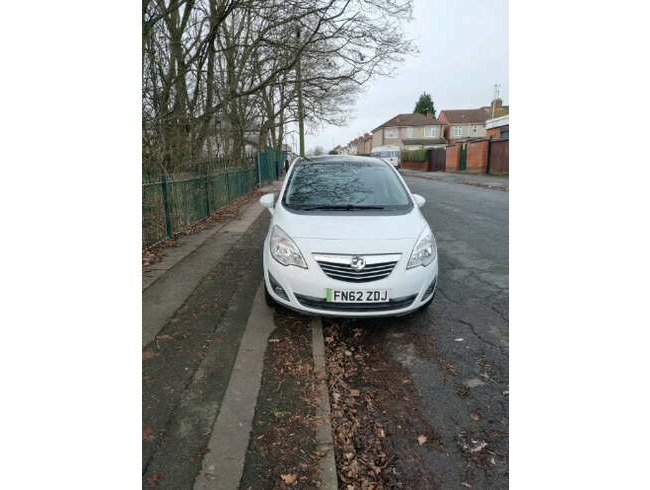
497,122
416,119
424,141
459,116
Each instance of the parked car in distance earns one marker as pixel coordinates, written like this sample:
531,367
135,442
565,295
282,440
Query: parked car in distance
347,239
389,153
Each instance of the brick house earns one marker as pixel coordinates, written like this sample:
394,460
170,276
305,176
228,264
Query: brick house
469,124
410,131
367,144
360,145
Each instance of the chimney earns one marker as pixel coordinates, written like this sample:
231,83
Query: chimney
497,102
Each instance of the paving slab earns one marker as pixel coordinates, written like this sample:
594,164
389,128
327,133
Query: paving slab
166,288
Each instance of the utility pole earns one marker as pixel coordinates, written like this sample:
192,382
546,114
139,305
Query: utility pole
301,124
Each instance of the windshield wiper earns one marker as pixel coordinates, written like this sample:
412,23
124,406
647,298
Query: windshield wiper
347,207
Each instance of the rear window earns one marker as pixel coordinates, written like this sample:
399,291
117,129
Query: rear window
344,184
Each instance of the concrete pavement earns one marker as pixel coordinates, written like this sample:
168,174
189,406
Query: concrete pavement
494,182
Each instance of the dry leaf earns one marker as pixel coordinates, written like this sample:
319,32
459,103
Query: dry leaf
465,484
155,479
289,478
480,446
422,439
473,416
147,433
354,392
164,337
148,354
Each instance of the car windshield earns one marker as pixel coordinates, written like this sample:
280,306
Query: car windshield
345,185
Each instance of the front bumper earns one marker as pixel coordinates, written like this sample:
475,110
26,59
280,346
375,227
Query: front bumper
305,289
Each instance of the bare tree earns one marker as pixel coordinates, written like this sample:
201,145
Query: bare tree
215,72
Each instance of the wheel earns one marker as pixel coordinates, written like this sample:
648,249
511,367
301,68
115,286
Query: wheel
267,296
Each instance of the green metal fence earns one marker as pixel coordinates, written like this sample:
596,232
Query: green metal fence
271,163
170,204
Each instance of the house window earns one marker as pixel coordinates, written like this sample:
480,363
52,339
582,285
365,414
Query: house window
458,131
474,129
430,131
390,133
409,132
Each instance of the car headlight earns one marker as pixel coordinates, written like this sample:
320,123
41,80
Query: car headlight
284,250
425,251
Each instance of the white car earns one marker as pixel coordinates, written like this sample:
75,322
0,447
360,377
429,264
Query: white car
347,239
389,153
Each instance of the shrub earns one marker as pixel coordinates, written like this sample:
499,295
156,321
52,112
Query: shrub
419,155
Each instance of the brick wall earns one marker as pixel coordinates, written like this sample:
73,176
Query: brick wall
453,155
477,157
423,166
493,133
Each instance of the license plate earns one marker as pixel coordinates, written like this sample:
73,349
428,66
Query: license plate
356,295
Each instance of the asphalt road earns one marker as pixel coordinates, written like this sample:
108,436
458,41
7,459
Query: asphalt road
443,372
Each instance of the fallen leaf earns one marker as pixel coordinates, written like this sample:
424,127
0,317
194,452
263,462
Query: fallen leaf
155,479
164,337
289,478
148,354
422,439
474,416
479,446
465,484
147,433
354,392
460,339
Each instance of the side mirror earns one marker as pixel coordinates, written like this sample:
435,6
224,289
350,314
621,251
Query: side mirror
419,200
268,201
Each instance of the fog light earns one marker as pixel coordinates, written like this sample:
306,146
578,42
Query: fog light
430,289
277,289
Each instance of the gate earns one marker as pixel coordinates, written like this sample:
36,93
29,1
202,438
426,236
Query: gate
270,164
437,159
462,164
499,158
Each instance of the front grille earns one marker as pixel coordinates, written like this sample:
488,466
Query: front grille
321,304
338,267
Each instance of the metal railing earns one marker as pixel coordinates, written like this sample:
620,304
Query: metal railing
170,204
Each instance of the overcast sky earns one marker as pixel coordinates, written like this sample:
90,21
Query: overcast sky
463,53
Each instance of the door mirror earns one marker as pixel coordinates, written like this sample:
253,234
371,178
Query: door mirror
268,201
419,200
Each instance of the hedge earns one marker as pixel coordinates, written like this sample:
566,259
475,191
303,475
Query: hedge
419,155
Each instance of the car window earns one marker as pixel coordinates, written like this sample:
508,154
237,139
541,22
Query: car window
345,183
